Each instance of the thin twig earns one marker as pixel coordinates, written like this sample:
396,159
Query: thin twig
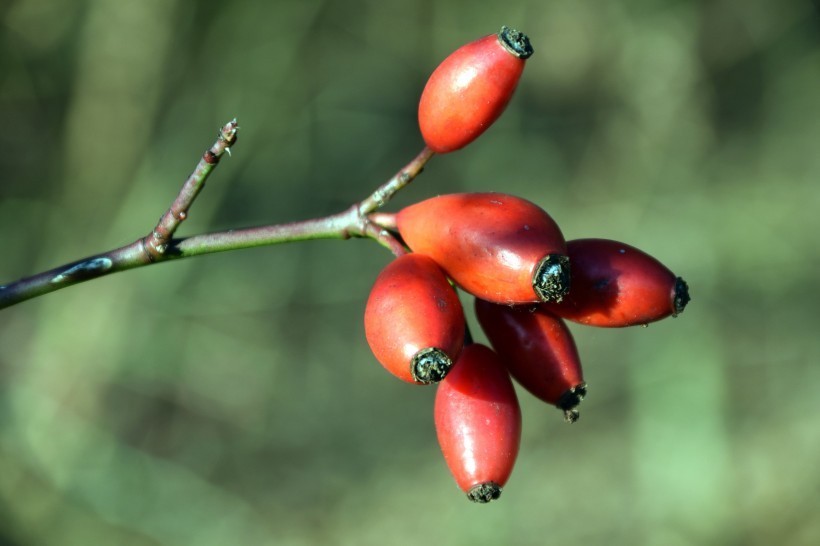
343,225
387,190
158,246
157,241
386,239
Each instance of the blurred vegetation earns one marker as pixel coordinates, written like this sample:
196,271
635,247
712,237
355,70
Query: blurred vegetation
231,399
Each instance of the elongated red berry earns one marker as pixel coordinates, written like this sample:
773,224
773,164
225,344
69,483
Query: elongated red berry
413,321
478,423
615,285
470,89
497,247
539,352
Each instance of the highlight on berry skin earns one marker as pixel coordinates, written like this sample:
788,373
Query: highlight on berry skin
470,89
414,322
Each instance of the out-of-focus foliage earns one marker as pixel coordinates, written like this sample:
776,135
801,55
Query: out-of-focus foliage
231,399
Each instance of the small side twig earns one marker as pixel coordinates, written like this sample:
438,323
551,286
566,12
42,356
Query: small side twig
157,241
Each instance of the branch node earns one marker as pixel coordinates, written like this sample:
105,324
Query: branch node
148,248
210,158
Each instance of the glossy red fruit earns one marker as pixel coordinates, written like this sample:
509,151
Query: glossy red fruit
615,285
497,247
539,352
413,321
478,423
471,88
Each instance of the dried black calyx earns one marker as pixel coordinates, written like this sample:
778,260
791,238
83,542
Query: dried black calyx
680,296
515,42
483,493
569,402
430,365
552,278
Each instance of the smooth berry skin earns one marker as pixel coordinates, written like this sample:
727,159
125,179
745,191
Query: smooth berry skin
470,89
493,245
539,352
411,308
616,285
478,423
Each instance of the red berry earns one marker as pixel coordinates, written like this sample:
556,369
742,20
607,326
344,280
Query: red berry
413,321
497,247
471,88
615,285
478,423
539,352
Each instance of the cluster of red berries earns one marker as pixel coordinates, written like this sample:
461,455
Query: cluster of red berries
526,279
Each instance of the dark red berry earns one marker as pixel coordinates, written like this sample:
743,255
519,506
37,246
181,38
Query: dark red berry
539,352
478,423
413,321
615,285
497,247
470,89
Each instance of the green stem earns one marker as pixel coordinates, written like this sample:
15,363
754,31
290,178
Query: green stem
337,226
387,190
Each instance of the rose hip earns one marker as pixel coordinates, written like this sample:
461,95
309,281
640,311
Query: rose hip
616,285
539,352
478,423
470,89
413,320
497,247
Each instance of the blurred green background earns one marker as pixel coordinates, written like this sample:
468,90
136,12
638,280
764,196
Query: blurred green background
231,399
